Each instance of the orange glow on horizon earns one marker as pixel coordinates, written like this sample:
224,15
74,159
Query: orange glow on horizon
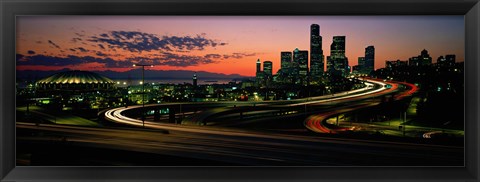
245,39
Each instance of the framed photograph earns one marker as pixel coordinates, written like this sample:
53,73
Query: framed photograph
239,91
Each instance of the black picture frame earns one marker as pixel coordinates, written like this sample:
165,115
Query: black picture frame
11,8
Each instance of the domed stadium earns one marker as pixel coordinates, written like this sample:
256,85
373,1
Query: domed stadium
75,81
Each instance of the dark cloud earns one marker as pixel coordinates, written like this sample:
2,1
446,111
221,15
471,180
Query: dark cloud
169,59
75,40
38,42
135,41
238,55
53,44
101,46
181,60
82,49
214,56
31,52
100,54
69,60
46,60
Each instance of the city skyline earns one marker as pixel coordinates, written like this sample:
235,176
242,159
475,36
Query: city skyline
295,112
228,45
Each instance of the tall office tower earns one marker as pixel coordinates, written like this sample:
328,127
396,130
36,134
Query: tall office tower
369,59
258,74
316,52
267,68
301,59
286,62
361,65
267,73
195,80
259,66
337,62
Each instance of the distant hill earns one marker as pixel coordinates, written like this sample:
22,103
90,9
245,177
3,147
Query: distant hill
149,74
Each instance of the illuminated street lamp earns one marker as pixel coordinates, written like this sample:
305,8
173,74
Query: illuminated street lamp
143,90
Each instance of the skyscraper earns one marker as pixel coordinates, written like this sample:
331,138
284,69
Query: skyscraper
337,62
267,68
259,66
259,74
286,62
369,59
361,65
267,73
301,59
316,52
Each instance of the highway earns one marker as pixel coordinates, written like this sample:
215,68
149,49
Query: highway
317,123
237,147
115,115
246,147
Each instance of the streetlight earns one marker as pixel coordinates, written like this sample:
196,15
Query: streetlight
143,90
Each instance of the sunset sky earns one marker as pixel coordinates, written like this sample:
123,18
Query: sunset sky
222,44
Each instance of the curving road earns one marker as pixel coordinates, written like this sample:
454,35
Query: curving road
316,123
115,115
245,147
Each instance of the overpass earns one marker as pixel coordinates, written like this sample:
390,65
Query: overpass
317,122
214,109
240,146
